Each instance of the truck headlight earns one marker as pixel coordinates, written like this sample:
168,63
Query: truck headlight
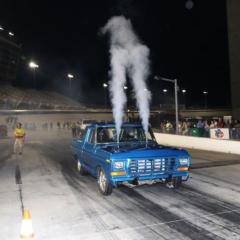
184,161
118,165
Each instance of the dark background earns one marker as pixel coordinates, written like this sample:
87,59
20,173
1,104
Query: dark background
63,36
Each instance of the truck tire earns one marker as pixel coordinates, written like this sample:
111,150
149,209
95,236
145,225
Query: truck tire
80,168
105,187
177,181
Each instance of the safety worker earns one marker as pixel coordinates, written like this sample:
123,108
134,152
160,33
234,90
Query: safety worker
19,138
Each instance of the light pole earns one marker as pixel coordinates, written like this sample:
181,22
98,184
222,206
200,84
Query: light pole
205,93
33,66
174,81
184,96
70,77
105,85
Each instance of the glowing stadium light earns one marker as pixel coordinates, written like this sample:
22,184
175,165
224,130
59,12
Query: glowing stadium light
205,94
70,76
105,85
184,90
11,34
164,90
125,87
1,28
33,65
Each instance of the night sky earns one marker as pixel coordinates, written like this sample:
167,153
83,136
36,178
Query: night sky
63,36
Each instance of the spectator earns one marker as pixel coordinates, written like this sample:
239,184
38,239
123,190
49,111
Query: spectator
228,124
162,127
169,127
220,123
212,125
74,130
206,129
236,129
180,124
200,124
78,129
185,128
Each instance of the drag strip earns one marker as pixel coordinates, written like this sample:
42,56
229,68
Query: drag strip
150,217
5,152
65,203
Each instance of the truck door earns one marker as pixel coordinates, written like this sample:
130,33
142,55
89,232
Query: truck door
78,146
89,150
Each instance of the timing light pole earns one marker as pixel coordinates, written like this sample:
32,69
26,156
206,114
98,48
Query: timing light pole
174,81
105,85
34,66
70,77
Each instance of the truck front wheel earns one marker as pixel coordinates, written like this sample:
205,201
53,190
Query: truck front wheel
105,187
177,181
174,182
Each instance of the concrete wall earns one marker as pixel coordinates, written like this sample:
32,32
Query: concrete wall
233,13
208,144
56,117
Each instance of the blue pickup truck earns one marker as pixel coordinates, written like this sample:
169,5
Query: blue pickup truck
135,157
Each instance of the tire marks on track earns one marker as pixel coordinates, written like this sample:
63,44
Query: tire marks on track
134,201
172,220
137,202
213,218
89,210
5,150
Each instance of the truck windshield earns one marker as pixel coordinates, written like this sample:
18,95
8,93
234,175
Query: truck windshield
127,134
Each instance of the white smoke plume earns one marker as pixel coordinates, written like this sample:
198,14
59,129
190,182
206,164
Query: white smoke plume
128,56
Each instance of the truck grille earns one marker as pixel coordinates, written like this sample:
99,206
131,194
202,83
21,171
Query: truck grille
151,166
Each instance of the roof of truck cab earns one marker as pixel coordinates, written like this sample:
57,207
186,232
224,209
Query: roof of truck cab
113,125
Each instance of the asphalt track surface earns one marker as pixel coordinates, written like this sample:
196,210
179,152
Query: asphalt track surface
65,205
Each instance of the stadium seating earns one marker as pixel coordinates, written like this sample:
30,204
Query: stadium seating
21,98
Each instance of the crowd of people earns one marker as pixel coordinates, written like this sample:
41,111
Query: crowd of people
189,127
201,127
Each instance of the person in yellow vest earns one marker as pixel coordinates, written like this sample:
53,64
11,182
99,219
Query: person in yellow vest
19,138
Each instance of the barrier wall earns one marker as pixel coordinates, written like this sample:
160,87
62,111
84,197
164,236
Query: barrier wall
40,118
226,146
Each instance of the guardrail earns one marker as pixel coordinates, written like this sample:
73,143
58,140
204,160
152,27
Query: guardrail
215,133
202,143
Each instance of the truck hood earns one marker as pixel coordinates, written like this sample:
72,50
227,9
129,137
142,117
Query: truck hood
128,150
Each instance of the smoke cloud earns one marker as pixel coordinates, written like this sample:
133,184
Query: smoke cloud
128,57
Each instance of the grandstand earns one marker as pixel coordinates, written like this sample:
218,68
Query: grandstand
21,98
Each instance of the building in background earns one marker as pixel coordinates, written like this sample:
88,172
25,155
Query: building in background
233,12
9,57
